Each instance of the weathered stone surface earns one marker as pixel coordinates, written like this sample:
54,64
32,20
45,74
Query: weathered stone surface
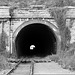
31,13
4,12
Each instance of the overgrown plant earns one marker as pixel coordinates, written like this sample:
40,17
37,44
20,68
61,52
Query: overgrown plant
67,60
59,16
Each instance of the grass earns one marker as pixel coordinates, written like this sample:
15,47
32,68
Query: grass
4,64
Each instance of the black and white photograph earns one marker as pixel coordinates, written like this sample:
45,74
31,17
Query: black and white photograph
37,37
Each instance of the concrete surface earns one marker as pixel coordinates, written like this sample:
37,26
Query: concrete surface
50,68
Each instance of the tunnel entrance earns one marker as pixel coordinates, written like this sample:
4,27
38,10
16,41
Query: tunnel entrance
37,40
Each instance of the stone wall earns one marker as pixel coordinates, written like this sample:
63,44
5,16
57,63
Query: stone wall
19,16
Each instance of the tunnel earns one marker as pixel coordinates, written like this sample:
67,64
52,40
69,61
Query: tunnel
36,40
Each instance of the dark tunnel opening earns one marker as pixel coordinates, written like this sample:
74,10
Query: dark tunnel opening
36,40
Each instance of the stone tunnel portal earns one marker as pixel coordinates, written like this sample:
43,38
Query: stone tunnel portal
37,40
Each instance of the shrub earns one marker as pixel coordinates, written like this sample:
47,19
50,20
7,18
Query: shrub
4,63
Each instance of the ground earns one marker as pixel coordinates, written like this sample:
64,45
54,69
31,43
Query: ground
50,68
45,68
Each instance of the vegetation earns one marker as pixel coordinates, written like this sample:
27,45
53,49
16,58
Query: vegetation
24,3
67,59
4,63
59,16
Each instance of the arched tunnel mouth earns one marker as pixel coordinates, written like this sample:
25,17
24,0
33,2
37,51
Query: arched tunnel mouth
35,40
